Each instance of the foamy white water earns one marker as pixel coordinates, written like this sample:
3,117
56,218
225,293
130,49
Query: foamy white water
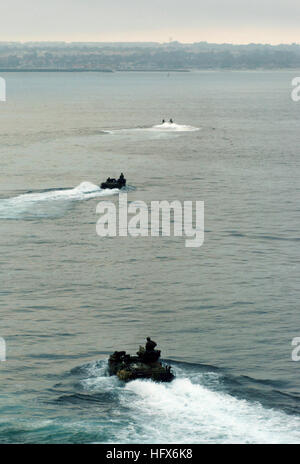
191,413
173,127
41,204
162,128
188,411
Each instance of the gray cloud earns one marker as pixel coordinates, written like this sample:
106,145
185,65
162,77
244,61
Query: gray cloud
188,20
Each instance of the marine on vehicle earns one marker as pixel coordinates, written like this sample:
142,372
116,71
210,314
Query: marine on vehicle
145,365
114,183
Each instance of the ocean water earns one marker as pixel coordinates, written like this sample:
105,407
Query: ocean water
224,315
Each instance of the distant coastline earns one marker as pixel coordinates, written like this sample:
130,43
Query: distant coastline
146,57
212,70
54,70
91,70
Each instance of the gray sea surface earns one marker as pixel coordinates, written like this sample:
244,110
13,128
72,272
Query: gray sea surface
224,315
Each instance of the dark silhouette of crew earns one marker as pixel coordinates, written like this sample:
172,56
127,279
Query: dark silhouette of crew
150,345
163,121
171,121
122,179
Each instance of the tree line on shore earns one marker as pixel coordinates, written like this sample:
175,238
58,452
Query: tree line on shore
146,56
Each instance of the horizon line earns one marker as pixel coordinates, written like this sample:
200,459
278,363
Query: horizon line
142,42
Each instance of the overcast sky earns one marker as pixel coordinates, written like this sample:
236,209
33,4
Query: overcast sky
236,21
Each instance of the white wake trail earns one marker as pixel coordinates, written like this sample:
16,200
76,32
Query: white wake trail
166,128
192,413
173,127
49,203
